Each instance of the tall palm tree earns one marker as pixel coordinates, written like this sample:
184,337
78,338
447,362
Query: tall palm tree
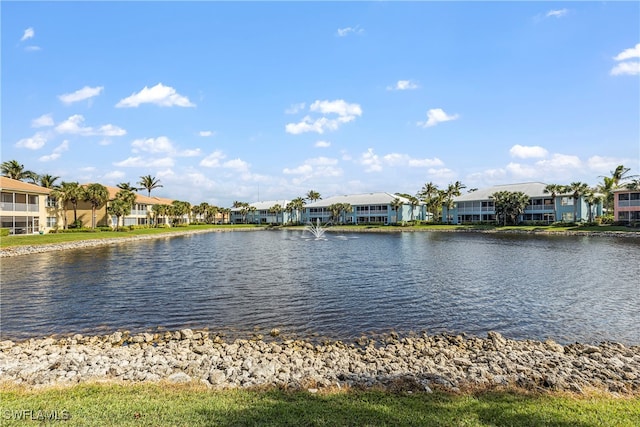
298,206
47,181
553,190
634,184
276,209
68,192
335,211
346,208
97,195
577,189
453,190
159,211
396,204
431,196
149,182
127,187
592,199
14,170
125,199
312,196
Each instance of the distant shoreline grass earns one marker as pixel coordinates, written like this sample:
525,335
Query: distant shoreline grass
190,405
54,238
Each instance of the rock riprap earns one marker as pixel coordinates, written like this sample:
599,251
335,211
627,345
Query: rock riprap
443,362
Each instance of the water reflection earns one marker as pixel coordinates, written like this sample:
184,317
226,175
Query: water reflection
565,288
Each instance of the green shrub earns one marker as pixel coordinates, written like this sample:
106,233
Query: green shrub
4,232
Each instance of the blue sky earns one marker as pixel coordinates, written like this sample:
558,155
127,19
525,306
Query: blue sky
265,101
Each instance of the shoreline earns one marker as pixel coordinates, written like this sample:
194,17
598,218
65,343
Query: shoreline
12,251
443,362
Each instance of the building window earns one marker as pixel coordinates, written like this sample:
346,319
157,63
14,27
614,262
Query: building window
567,201
51,202
623,196
52,222
567,216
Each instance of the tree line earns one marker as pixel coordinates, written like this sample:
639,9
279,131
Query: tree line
508,205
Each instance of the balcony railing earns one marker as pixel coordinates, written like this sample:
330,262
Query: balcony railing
18,207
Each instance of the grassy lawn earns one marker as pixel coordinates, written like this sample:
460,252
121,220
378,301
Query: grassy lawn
156,405
37,239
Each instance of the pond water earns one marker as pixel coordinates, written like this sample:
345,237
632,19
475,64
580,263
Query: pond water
567,288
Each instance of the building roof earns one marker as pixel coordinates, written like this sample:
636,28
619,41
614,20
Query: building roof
264,206
531,189
140,198
358,200
15,185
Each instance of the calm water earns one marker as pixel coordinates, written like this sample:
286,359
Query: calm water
569,289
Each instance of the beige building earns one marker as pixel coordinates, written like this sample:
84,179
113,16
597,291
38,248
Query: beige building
26,208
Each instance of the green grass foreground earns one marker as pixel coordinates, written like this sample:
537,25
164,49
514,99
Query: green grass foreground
52,238
171,405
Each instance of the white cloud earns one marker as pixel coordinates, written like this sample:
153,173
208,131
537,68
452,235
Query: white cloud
114,175
630,68
522,171
343,32
559,13
32,48
105,142
42,121
74,125
525,152
404,85
237,165
164,96
604,164
57,152
397,159
29,33
314,169
205,133
36,142
435,116
371,161
561,161
322,144
295,108
213,159
161,144
81,94
632,52
346,113
140,162
339,107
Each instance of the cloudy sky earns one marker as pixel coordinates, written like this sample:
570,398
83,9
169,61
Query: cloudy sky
266,101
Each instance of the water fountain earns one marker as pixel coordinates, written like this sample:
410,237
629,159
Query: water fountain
317,230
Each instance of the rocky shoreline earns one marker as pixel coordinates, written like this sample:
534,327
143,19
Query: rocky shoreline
81,244
450,363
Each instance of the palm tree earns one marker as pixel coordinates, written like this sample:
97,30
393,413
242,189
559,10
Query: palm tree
252,210
159,211
47,181
577,189
312,196
125,199
634,184
298,205
345,208
430,195
14,170
276,209
149,182
97,195
335,211
396,204
592,199
120,208
553,190
453,190
70,192
509,205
